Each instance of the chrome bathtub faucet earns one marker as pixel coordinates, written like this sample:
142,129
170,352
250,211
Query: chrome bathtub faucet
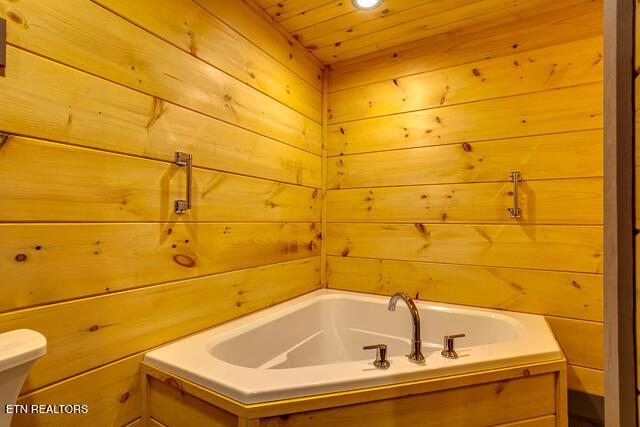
416,343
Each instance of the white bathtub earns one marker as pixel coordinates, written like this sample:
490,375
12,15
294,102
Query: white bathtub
313,344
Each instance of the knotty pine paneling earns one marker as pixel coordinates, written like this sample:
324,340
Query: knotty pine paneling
539,157
283,47
547,201
45,262
97,41
573,63
336,31
572,22
97,98
199,32
559,293
543,247
51,101
588,380
421,143
557,111
111,391
67,183
90,332
415,24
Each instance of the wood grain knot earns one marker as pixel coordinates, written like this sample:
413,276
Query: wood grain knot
94,328
124,397
15,17
21,258
173,383
184,261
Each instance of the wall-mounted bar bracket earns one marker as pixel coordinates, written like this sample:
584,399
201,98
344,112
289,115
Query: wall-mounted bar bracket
515,212
3,44
184,159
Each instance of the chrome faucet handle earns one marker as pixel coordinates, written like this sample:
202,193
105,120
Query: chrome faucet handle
381,361
448,350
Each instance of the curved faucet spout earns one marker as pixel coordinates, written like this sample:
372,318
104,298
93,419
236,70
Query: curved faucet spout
416,355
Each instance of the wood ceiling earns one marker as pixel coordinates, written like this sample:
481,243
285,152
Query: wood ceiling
335,30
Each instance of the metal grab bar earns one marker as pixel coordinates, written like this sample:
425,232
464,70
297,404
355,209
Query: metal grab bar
515,212
184,159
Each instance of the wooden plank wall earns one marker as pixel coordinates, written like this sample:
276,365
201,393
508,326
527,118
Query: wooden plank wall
421,142
97,97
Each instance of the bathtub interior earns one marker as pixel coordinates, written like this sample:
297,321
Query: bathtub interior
334,329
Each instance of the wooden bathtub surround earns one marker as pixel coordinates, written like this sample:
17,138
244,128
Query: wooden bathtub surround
524,395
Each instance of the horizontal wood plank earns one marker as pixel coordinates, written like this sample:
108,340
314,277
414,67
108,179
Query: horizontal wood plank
473,162
318,17
394,13
582,342
103,115
42,263
100,46
189,27
239,16
553,67
586,380
484,404
577,21
286,10
520,246
55,182
563,294
561,110
88,333
415,24
573,201
112,394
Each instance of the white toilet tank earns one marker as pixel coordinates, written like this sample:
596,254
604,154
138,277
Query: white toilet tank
19,350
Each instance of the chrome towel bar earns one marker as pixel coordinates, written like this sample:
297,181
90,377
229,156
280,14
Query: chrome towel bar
515,212
184,159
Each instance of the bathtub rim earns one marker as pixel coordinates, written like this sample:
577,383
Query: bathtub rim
251,390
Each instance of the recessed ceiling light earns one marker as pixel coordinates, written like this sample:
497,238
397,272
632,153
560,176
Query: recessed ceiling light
366,4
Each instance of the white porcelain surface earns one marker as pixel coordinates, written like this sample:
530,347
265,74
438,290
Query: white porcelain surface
18,351
313,344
